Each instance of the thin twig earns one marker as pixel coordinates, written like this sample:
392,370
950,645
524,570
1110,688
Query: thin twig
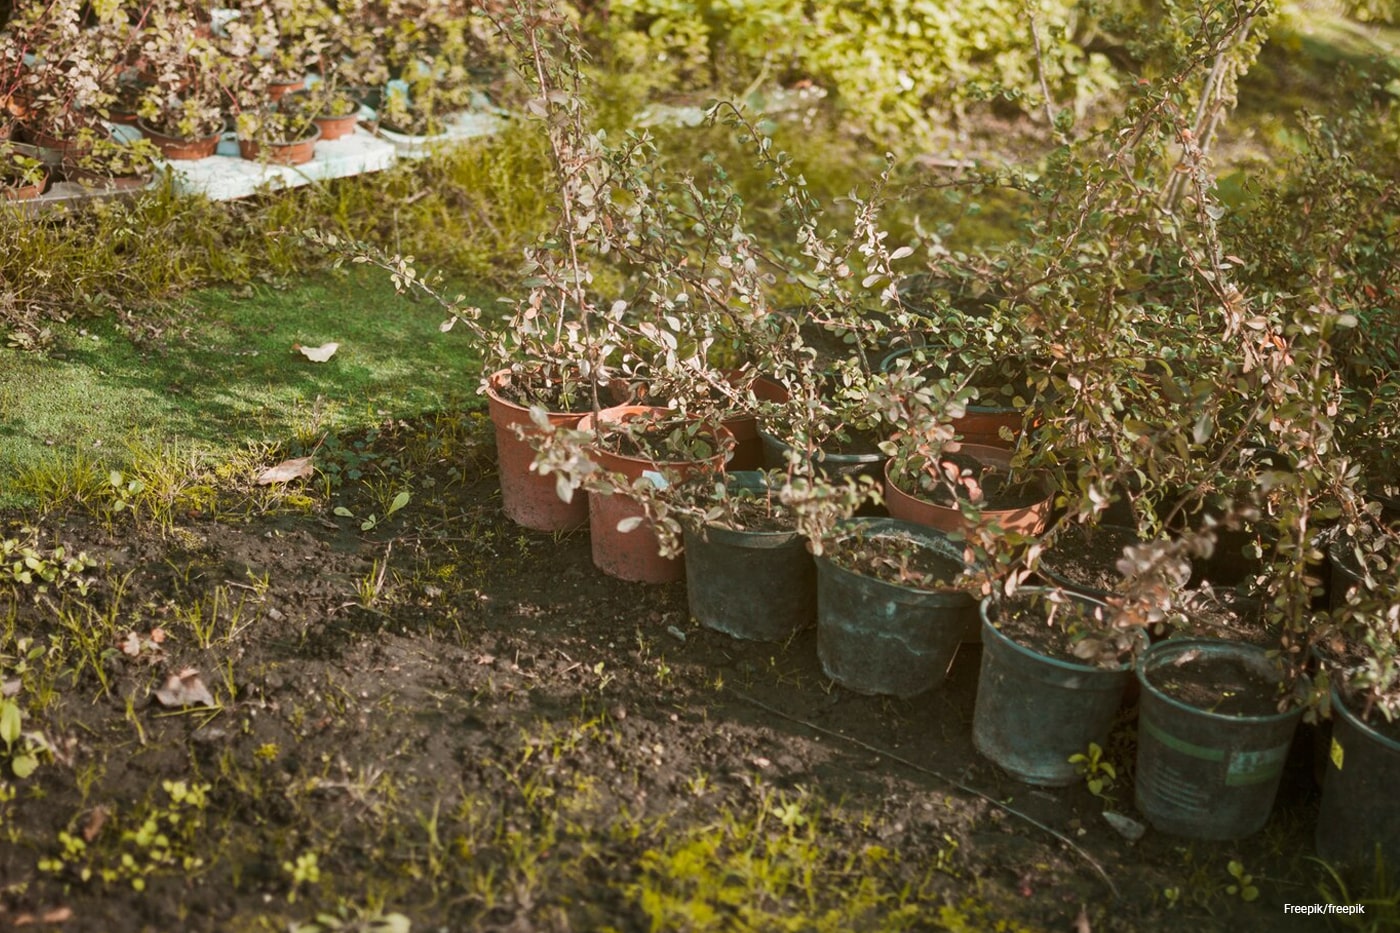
1069,843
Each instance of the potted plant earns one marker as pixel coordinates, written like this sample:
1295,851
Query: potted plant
1215,725
1358,818
281,137
890,611
1055,666
116,163
631,448
334,110
952,486
22,176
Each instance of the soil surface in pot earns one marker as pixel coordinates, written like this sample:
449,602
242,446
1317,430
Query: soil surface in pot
1223,685
895,559
573,398
754,513
1057,637
466,724
1088,557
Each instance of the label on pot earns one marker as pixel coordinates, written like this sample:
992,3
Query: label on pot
655,478
1254,767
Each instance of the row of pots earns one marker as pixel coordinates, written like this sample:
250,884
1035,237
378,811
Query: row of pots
1200,773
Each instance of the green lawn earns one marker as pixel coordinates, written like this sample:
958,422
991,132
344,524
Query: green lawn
225,373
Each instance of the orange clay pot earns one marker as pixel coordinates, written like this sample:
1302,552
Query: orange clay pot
1027,520
635,555
528,498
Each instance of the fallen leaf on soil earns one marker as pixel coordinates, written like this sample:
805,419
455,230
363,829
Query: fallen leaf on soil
485,659
286,471
10,688
318,354
762,762
57,915
131,645
185,689
1081,922
95,821
157,635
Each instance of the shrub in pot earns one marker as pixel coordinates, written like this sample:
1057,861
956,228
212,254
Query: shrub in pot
890,613
117,163
1359,818
1055,666
277,136
1214,729
963,485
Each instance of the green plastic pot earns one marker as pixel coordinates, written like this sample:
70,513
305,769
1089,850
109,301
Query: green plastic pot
758,585
1360,811
1034,711
884,638
1202,774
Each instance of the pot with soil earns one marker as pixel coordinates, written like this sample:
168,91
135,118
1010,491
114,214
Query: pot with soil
1085,558
285,145
637,443
889,620
528,498
1214,730
1054,670
935,491
1359,817
22,177
748,572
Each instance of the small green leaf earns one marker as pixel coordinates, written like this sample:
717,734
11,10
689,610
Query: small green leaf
10,722
23,765
399,502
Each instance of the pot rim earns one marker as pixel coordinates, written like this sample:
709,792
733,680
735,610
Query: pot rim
894,527
1162,653
988,626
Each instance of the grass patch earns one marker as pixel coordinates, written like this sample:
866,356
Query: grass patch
224,373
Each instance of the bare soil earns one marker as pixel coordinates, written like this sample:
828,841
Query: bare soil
466,724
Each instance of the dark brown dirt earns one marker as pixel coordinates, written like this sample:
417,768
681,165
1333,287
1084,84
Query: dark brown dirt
498,693
1221,685
1087,558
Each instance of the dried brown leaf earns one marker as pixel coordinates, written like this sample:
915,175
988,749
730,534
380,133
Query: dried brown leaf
286,471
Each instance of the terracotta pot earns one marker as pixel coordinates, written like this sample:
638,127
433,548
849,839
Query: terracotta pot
177,149
336,127
276,89
23,192
1027,520
528,498
298,152
635,555
982,425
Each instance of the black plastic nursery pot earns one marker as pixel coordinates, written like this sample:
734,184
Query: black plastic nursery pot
1360,811
879,637
758,585
1034,711
1204,774
833,465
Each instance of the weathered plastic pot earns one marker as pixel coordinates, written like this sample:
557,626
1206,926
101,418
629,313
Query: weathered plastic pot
1033,711
879,637
1202,774
1360,811
1028,520
528,498
834,466
758,585
635,555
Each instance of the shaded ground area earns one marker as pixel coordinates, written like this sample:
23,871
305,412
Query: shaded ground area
447,720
